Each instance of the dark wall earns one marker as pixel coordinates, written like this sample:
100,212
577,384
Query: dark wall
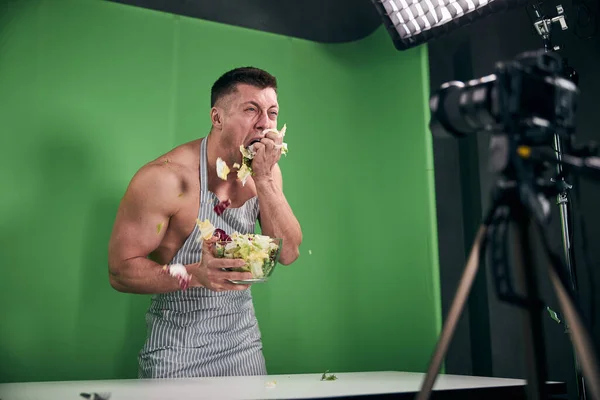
491,332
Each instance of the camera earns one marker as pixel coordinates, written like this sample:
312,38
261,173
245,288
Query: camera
529,99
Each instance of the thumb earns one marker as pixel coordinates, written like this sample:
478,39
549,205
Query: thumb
208,246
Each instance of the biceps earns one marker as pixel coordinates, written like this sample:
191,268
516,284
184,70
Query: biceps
136,233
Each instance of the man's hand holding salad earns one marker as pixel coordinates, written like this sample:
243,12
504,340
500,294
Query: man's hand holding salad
209,271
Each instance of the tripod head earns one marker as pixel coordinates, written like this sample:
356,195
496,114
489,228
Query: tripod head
543,25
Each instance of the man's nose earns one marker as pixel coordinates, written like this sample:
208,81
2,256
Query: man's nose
263,121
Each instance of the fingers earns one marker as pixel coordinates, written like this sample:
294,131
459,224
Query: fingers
268,148
236,276
208,245
215,278
274,137
218,263
271,145
259,146
221,280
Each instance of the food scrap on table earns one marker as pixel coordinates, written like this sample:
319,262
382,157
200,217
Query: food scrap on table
96,396
328,377
220,208
270,384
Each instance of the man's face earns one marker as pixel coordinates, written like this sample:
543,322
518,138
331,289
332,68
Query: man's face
246,113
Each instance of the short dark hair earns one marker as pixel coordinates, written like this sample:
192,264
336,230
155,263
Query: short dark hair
227,83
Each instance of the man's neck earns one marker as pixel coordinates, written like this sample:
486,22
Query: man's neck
214,150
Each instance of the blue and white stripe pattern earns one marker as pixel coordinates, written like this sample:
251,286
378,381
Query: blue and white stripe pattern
199,332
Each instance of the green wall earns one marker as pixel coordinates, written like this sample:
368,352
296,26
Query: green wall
91,90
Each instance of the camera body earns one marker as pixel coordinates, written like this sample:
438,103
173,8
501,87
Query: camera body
528,99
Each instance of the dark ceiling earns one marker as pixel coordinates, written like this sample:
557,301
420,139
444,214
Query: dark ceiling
324,21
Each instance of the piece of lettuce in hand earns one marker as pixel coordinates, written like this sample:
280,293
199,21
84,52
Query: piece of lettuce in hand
284,146
248,154
281,132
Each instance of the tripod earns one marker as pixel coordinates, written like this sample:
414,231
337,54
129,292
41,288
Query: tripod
528,101
518,202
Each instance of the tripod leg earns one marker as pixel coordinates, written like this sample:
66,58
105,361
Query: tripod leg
454,314
584,348
525,277
580,336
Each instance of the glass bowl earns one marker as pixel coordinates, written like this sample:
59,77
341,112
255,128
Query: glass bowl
260,262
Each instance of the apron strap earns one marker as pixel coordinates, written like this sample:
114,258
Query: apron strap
203,166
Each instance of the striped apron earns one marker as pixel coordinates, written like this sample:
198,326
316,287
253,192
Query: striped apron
199,332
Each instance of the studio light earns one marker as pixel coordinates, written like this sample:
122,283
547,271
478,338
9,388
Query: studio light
414,22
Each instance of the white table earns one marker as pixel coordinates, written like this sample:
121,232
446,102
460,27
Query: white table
296,386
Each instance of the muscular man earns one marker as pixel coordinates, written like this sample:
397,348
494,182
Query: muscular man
208,329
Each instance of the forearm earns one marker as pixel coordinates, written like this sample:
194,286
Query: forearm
277,219
144,276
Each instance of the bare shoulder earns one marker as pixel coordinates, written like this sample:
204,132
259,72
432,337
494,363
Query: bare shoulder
185,156
168,177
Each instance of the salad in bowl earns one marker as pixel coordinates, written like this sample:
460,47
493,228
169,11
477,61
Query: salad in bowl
260,252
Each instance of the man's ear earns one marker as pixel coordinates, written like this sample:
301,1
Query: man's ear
216,117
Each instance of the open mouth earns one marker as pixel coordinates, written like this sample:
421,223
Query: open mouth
252,142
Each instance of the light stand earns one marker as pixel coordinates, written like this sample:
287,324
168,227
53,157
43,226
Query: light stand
523,104
543,27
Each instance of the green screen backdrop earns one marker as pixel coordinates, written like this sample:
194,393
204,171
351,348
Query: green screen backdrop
92,90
